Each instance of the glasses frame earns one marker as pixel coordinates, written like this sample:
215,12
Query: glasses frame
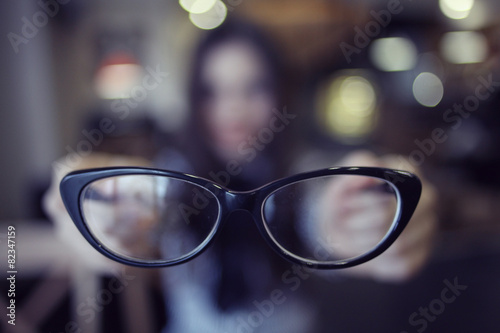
407,187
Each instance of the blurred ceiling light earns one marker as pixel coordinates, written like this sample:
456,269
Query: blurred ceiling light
463,47
357,95
428,89
210,19
348,107
481,15
393,54
197,6
116,77
456,9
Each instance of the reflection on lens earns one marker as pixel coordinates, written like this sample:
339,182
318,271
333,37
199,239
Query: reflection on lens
331,218
149,218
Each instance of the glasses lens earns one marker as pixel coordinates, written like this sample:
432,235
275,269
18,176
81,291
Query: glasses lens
149,218
331,218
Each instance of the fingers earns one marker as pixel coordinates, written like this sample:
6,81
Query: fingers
363,223
357,222
356,214
347,184
367,212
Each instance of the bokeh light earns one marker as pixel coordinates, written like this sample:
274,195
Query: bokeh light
348,107
462,47
197,6
479,17
210,19
456,9
428,89
393,54
116,77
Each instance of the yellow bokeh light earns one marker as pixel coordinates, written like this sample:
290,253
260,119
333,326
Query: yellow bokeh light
210,19
197,6
456,9
348,106
357,95
479,17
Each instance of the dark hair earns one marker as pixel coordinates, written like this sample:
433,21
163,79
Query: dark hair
231,31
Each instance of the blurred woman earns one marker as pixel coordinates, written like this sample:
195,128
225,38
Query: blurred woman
241,137
234,94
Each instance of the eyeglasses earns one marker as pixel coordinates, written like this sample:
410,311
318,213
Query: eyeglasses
330,218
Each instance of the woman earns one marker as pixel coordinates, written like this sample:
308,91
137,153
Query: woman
234,95
241,137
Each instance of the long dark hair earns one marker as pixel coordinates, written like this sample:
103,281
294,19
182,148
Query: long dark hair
233,30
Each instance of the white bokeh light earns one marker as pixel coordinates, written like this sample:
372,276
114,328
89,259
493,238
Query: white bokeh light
428,89
393,54
462,47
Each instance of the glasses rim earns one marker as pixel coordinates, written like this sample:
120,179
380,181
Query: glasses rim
127,259
321,263
407,187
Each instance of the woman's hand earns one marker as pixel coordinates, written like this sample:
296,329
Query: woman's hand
359,216
54,207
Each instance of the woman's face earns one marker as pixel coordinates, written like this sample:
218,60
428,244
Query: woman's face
239,101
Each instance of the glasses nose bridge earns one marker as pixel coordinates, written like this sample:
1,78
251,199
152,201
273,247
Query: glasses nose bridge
240,201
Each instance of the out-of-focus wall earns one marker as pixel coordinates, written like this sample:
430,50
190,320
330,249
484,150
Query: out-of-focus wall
28,123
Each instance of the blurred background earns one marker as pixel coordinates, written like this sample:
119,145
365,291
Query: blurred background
420,79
